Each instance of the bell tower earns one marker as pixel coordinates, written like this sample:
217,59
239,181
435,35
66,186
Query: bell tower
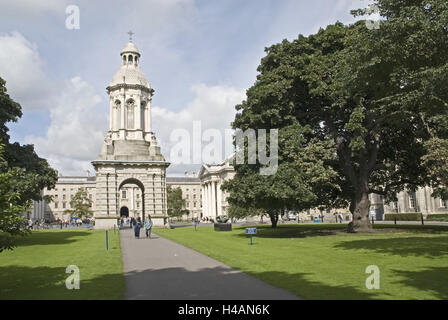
130,155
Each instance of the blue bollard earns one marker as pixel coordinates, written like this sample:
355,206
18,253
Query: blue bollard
107,240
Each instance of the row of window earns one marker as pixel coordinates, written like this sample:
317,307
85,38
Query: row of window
64,197
413,202
130,58
124,195
187,205
194,197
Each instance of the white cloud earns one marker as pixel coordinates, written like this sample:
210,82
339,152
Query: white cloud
79,122
22,68
213,106
32,7
78,125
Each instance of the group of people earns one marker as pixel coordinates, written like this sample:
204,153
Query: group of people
138,224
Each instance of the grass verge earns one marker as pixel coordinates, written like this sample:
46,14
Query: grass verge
322,261
36,268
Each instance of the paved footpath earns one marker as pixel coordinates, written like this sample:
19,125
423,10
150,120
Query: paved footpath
160,269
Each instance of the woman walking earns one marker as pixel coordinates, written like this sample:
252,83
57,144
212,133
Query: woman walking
148,226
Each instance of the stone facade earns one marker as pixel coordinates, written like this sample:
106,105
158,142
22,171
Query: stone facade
191,193
130,154
214,200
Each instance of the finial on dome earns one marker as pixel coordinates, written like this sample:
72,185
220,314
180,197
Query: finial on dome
130,33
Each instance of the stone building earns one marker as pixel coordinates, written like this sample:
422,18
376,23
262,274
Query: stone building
64,191
420,200
191,193
130,156
214,200
130,169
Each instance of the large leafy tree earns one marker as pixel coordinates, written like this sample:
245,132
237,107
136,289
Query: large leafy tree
23,174
175,202
12,206
81,205
301,180
377,96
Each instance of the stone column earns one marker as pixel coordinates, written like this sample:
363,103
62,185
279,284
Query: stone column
122,120
219,198
131,198
209,199
147,118
137,113
203,198
111,115
213,185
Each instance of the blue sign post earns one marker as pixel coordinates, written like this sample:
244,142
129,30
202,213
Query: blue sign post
251,231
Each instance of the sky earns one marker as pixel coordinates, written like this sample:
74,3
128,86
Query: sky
200,57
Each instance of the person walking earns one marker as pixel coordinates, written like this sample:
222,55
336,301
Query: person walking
132,224
137,227
148,227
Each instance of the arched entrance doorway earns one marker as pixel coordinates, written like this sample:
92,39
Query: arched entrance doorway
131,196
124,212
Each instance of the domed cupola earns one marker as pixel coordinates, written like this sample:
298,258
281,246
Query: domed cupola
130,96
129,73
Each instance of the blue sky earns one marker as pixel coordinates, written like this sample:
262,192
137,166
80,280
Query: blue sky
199,55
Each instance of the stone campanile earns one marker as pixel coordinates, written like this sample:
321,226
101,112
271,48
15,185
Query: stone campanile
130,156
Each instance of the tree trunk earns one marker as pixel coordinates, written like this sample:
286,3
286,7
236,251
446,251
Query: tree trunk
274,218
360,211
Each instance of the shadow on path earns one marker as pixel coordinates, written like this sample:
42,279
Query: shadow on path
223,284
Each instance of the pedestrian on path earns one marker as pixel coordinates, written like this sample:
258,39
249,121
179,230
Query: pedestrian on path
132,224
148,227
137,227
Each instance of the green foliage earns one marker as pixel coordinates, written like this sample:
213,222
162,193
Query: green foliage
364,105
22,175
436,160
10,111
36,173
81,205
12,223
175,202
403,216
437,217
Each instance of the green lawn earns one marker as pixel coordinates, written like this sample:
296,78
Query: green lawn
35,269
321,261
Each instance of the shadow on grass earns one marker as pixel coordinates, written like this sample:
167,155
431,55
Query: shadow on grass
48,283
318,229
434,279
220,283
50,237
403,246
295,231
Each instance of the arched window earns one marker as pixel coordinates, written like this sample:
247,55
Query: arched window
130,58
124,59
